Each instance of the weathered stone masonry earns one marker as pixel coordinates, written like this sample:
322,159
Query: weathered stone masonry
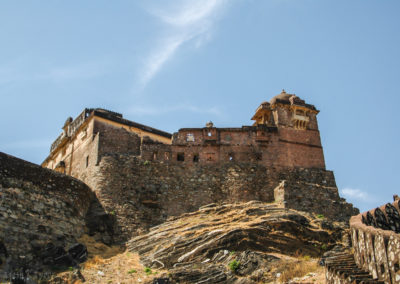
375,237
144,193
37,207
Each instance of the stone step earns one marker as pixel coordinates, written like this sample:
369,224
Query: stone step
342,267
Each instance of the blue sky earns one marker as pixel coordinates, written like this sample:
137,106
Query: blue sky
174,64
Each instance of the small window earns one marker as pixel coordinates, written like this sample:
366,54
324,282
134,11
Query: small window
195,158
231,156
154,156
209,134
180,157
258,156
87,161
189,137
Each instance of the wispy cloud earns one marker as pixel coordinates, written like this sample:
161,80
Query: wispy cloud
355,194
161,110
188,21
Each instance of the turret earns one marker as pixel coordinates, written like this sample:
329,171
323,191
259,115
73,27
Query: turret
287,110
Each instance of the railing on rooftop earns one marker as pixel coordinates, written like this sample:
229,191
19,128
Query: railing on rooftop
71,129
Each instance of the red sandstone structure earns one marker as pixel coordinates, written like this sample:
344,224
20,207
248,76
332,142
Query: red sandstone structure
284,135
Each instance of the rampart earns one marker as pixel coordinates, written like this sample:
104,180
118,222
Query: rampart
37,207
143,193
375,236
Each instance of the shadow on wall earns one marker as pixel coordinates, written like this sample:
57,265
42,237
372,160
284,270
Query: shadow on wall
100,224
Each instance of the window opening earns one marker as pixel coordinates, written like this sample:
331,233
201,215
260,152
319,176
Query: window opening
180,157
195,158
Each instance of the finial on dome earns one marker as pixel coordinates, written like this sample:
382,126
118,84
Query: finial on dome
209,124
283,91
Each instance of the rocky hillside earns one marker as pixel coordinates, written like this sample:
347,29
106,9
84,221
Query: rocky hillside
251,242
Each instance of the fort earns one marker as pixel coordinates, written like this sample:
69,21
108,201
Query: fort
145,175
114,179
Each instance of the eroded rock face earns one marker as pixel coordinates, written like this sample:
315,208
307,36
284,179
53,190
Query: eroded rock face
201,247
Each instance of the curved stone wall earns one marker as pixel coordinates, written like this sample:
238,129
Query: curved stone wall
376,241
38,208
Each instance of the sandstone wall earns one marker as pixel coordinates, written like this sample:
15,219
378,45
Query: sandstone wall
38,206
269,146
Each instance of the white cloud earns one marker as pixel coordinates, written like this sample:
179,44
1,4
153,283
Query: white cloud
355,194
191,13
190,21
160,110
158,58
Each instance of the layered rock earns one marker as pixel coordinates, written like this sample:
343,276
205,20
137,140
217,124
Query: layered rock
202,247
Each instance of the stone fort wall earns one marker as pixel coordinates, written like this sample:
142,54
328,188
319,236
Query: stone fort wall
142,193
142,181
38,206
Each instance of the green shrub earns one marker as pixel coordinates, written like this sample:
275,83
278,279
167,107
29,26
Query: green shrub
147,270
132,271
234,265
320,216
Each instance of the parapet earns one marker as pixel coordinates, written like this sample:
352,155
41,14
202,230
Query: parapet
72,126
375,236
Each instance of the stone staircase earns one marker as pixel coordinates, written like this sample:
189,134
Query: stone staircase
342,269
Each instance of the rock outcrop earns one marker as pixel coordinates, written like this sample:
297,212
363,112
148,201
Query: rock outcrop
232,242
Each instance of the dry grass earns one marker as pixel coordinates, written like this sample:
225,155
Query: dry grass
108,265
300,268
